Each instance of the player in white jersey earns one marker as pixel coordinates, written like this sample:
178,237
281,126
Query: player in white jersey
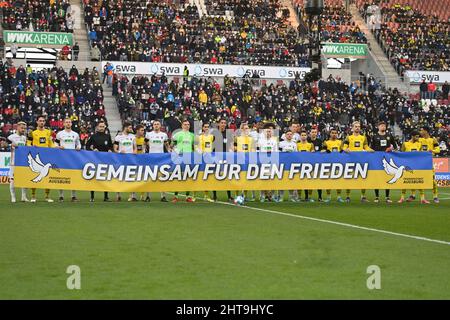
157,139
70,140
267,143
295,129
125,142
17,139
288,145
158,142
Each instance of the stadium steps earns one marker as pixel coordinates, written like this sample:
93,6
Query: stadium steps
293,18
202,5
392,79
201,8
80,32
398,131
111,110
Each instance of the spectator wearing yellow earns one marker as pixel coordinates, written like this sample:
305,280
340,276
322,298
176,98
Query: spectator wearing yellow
203,97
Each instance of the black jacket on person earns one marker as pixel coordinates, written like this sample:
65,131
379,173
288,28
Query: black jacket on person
445,89
317,143
382,142
423,87
100,141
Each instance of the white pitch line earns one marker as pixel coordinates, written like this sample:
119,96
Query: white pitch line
340,224
348,225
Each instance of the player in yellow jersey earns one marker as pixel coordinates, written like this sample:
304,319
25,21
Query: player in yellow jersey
41,137
141,141
205,144
356,142
430,144
413,145
304,146
244,142
333,144
141,148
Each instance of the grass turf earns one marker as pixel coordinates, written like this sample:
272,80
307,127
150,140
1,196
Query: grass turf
215,251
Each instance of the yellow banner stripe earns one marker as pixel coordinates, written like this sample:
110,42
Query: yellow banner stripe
73,180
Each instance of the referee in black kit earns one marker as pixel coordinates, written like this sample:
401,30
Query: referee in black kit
385,142
100,141
225,147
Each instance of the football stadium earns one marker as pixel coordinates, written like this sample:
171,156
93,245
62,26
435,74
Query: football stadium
224,150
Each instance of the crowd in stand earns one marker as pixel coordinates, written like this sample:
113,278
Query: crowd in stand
219,7
337,23
25,94
330,103
256,33
338,26
411,40
159,31
38,15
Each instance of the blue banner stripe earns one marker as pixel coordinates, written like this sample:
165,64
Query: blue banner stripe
75,160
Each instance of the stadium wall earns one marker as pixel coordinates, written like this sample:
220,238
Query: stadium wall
80,65
344,74
368,66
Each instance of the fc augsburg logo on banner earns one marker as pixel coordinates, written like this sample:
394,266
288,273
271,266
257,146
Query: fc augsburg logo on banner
392,169
37,166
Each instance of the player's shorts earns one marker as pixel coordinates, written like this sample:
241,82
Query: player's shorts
11,173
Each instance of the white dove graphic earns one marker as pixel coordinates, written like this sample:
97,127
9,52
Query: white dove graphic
37,166
393,170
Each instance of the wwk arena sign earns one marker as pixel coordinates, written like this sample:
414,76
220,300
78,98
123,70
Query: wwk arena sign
435,76
207,70
38,38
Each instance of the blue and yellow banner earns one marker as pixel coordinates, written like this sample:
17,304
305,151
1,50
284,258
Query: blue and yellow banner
98,171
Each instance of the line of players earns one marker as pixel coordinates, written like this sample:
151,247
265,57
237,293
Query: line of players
258,138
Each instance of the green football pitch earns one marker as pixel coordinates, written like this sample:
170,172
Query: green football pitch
207,250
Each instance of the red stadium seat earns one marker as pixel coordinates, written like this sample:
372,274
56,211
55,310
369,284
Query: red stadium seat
6,128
